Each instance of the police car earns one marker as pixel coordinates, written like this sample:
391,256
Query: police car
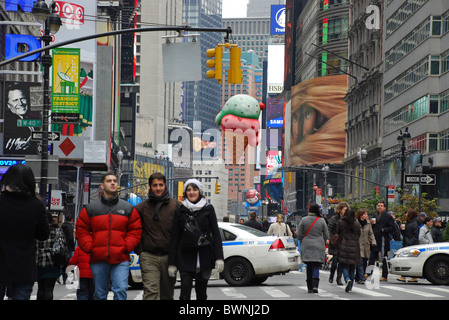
251,256
429,261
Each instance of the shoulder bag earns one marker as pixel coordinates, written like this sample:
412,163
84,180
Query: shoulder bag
316,219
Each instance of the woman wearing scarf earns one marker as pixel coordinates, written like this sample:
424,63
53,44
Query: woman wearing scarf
157,214
195,260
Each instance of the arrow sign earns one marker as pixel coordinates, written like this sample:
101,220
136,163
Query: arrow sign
428,179
423,179
52,136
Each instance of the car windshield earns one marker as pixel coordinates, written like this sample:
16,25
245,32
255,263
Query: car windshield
253,231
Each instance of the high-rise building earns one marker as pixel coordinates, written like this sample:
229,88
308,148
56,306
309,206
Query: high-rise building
261,8
202,99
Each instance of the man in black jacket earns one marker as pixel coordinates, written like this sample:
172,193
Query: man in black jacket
251,222
382,228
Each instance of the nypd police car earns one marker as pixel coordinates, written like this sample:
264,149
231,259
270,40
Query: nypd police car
429,261
251,256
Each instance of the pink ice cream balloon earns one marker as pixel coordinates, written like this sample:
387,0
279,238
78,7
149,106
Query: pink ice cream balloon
240,115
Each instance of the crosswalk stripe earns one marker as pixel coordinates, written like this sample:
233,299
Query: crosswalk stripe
232,292
369,292
275,293
439,289
408,290
324,294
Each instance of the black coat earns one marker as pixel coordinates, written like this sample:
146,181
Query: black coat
185,259
253,224
22,220
348,249
410,234
382,229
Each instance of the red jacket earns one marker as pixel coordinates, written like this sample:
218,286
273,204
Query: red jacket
82,260
108,229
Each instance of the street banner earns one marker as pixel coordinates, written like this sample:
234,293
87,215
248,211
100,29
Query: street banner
65,106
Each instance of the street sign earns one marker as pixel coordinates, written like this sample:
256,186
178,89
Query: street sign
422,179
29,123
52,136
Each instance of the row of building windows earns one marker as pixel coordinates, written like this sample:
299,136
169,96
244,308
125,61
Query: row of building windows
432,26
430,142
429,65
403,13
429,104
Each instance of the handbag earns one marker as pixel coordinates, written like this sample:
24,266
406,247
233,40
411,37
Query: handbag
316,219
59,251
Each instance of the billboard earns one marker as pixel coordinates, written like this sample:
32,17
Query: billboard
21,117
315,122
277,19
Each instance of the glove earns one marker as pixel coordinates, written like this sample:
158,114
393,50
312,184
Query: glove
172,271
219,265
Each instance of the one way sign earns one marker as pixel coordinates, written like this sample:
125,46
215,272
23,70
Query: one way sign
422,179
52,136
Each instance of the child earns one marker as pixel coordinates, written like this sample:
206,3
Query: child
86,284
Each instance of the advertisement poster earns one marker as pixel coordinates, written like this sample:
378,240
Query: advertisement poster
65,106
316,121
22,117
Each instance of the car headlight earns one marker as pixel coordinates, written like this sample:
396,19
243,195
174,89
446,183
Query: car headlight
408,253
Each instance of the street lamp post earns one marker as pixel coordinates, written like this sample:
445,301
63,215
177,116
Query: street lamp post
403,138
361,154
325,206
119,167
52,23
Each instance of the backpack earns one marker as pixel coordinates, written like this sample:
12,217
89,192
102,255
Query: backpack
59,251
192,236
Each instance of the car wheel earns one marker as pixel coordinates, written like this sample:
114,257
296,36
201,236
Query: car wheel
238,272
437,270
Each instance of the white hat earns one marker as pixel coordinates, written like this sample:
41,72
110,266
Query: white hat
195,182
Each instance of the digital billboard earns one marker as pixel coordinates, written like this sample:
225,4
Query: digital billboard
315,122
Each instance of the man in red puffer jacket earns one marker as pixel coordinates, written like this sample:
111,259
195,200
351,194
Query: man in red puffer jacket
109,229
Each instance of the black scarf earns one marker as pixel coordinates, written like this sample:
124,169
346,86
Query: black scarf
159,200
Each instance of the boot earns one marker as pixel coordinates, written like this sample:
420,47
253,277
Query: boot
332,273
315,282
309,286
339,275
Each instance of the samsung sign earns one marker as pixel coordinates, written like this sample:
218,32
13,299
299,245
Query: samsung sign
278,19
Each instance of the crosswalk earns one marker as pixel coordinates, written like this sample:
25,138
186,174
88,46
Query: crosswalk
297,290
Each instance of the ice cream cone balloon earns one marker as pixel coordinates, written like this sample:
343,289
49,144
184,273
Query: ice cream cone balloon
239,120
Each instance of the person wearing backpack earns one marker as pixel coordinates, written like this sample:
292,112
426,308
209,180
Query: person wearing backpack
195,247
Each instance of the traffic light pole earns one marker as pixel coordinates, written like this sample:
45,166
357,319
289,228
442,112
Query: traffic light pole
178,29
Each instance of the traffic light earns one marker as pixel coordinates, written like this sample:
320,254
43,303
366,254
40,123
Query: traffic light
216,63
235,73
217,188
118,190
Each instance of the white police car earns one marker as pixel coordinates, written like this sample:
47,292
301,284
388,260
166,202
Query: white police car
251,256
429,261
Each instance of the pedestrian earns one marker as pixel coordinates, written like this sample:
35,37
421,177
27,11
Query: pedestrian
410,235
420,219
436,231
49,270
365,241
23,219
195,247
313,234
425,237
85,290
109,229
156,213
279,228
332,227
348,247
265,225
67,228
252,222
382,228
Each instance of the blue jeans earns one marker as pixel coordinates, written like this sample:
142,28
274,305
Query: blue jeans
16,291
348,272
117,273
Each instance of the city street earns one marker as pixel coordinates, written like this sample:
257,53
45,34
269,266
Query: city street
292,286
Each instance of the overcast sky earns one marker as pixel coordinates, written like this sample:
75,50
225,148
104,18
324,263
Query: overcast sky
234,8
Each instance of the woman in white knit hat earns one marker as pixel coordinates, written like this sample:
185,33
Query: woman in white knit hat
195,247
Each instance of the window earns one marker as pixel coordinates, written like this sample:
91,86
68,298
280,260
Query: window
435,65
436,25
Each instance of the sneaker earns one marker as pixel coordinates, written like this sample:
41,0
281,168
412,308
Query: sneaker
402,279
348,286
